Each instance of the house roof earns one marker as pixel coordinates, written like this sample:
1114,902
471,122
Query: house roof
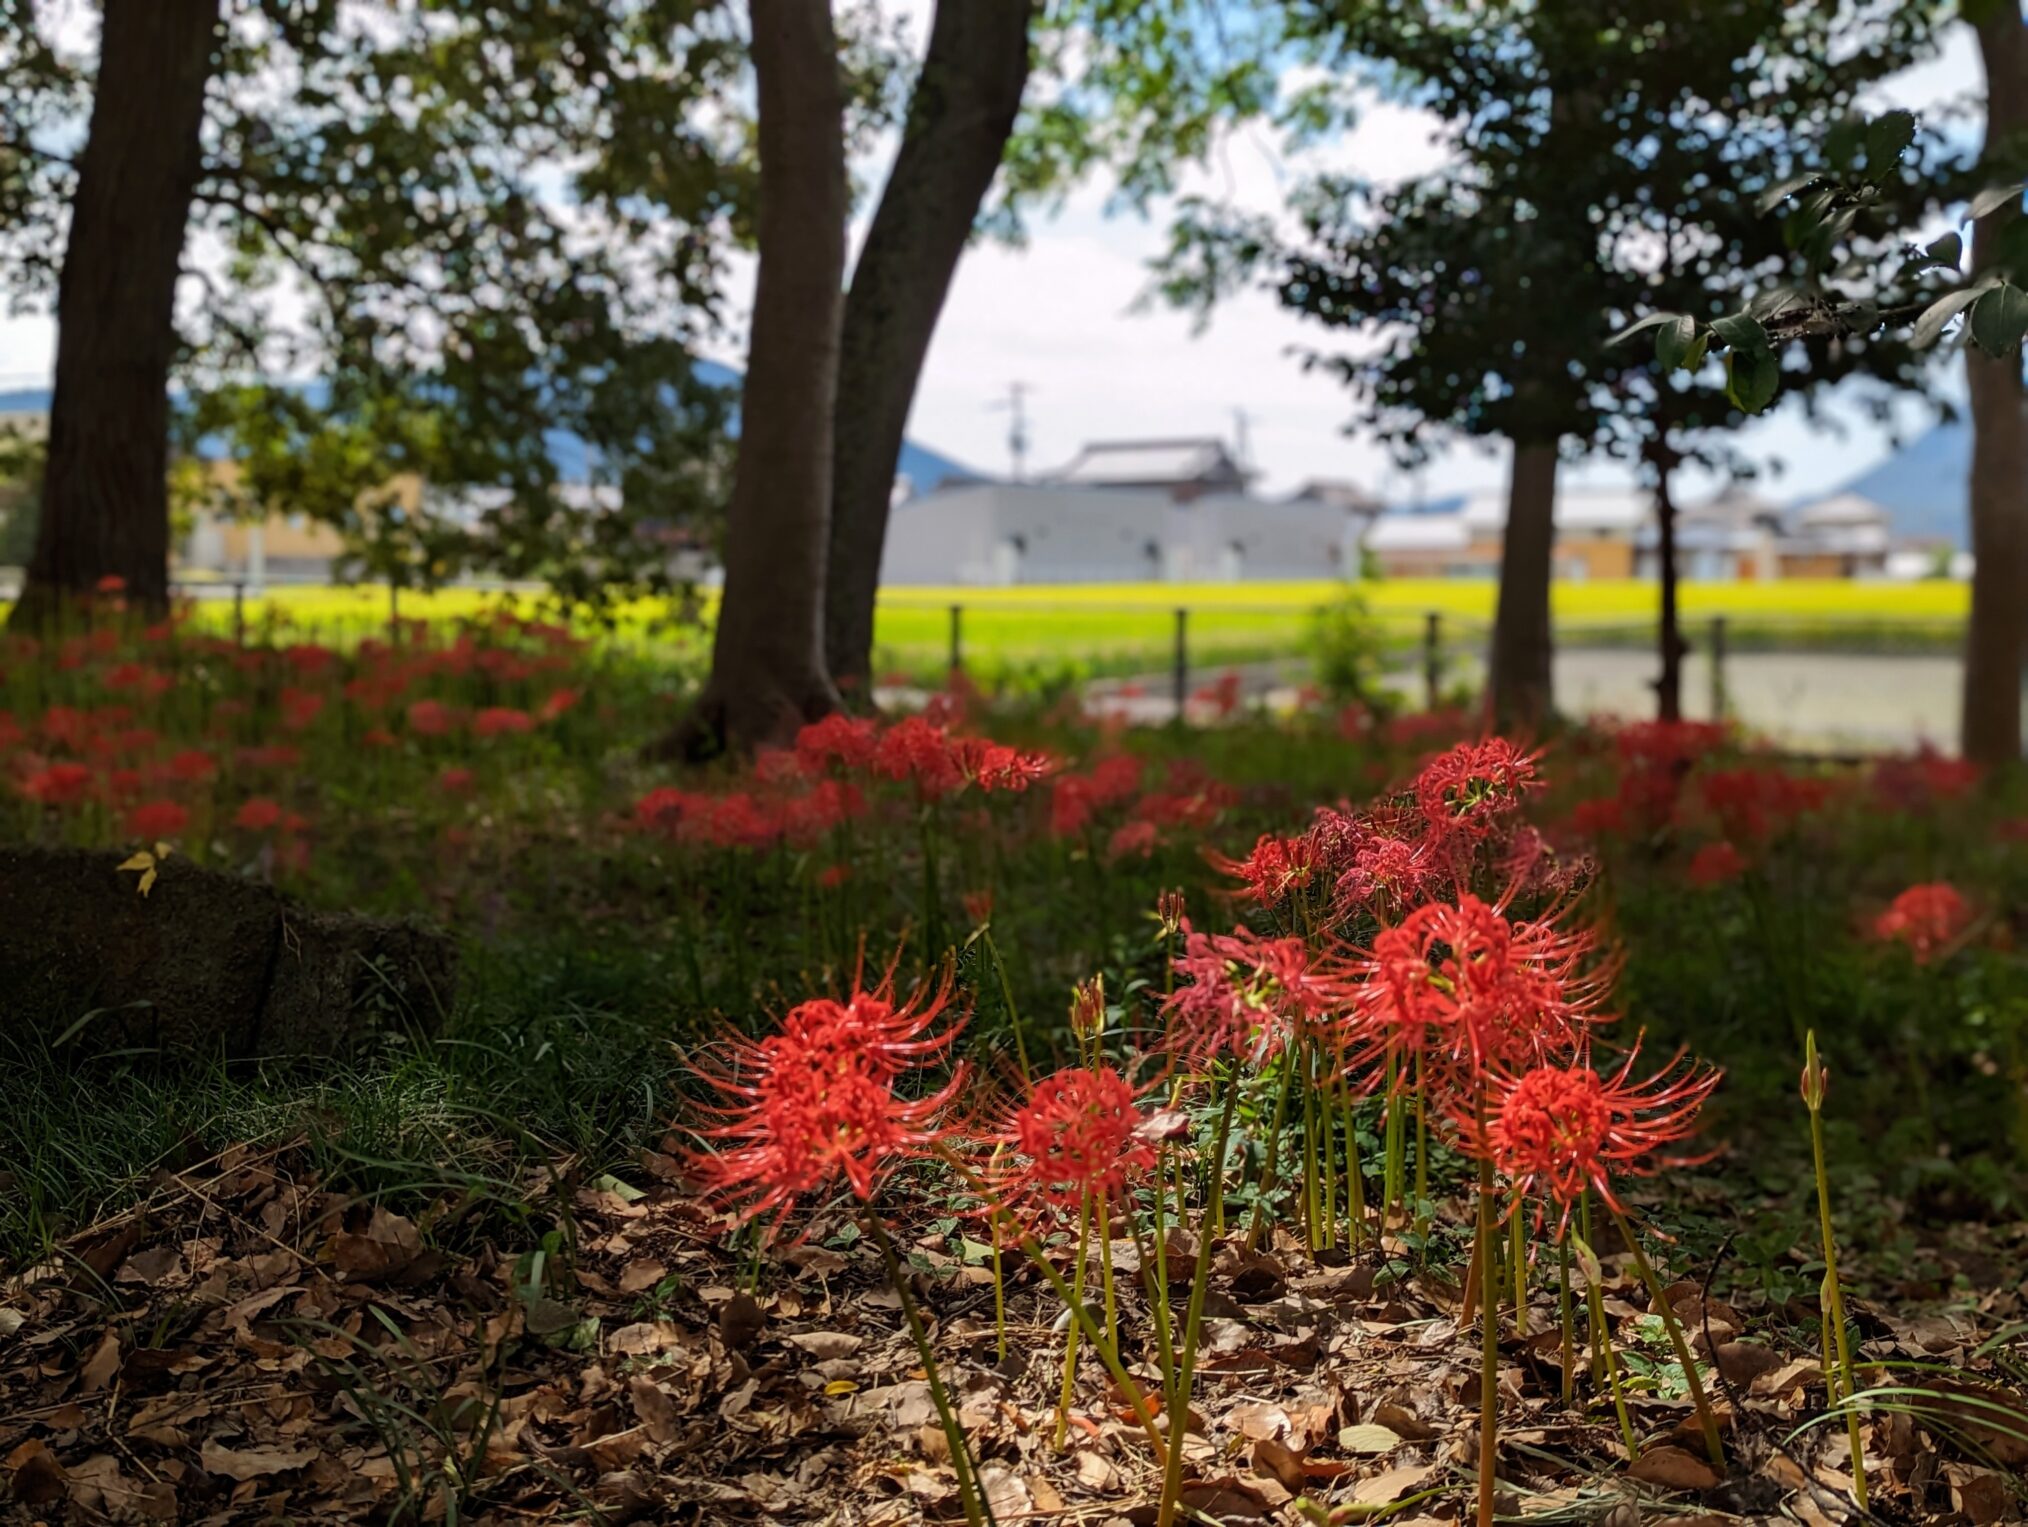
1576,509
1151,461
1418,532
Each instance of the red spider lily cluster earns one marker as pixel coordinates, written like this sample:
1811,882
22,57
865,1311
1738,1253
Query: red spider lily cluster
170,733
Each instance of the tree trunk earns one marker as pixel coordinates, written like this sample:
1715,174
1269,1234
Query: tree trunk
959,118
1990,730
1523,683
1669,635
105,487
767,657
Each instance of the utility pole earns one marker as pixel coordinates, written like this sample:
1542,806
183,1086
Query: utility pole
1241,448
1017,426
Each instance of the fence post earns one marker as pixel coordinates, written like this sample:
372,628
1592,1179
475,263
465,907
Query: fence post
1433,659
1181,675
957,638
1718,696
239,612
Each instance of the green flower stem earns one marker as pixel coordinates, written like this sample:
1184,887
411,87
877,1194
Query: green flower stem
1518,1255
1013,1010
1193,1324
1070,1337
1489,1344
1603,1355
1270,1171
1108,1355
1834,1298
1567,1311
1705,1415
977,1512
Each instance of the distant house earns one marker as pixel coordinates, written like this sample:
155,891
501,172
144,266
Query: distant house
1844,536
1596,534
1732,537
1183,469
1000,534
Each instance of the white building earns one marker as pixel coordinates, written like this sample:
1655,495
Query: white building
999,534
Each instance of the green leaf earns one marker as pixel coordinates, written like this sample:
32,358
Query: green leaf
1742,331
1993,198
1752,378
2000,319
1649,322
1674,340
1930,326
1948,250
1783,189
1887,139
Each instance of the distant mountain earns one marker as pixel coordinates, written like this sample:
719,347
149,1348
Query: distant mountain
1925,486
922,466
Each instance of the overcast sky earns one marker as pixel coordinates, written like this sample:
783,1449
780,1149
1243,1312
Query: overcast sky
1060,316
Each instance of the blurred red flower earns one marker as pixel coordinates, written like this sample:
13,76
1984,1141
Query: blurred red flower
158,819
257,814
1924,917
1715,864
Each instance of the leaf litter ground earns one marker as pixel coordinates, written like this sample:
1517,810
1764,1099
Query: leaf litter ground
246,1346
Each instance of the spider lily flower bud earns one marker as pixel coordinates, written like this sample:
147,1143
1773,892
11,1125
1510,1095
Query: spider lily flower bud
1088,1008
1816,1076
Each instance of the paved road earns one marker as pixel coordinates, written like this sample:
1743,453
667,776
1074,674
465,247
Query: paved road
1873,703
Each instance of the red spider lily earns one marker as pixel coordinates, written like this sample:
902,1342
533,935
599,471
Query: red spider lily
502,721
59,784
191,766
257,814
431,718
1132,840
831,876
814,1102
851,742
1602,817
277,755
300,708
1926,918
1557,1130
1753,802
556,705
1244,995
456,781
1913,783
1469,791
1472,989
917,749
158,819
111,583
995,766
1715,864
379,737
1384,873
1277,867
1078,1137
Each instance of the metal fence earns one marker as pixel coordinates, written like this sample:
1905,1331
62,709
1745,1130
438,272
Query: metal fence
1822,680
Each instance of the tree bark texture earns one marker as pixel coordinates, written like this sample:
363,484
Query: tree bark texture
105,490
959,117
767,658
1995,634
1523,682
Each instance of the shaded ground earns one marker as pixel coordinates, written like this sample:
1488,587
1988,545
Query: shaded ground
248,1347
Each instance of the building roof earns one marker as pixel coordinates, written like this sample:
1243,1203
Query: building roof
1624,509
1395,531
1848,509
1338,494
1143,462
